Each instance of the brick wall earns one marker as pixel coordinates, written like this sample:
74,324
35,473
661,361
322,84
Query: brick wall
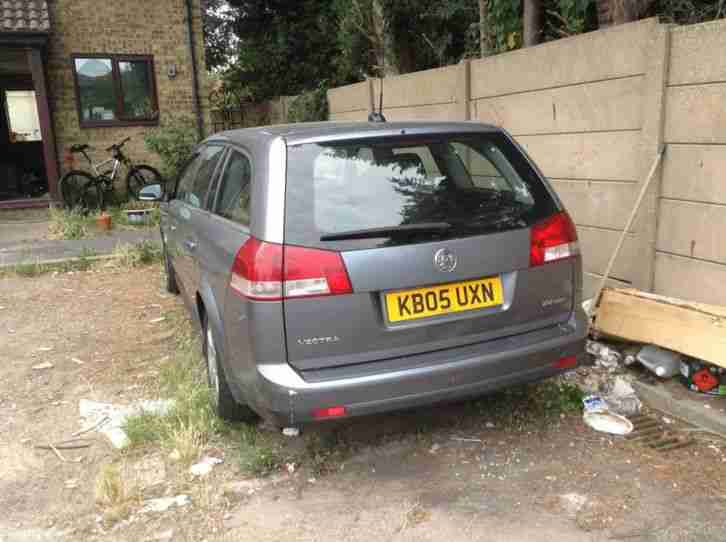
155,28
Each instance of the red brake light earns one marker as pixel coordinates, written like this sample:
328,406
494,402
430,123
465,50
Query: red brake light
329,412
553,239
271,272
568,362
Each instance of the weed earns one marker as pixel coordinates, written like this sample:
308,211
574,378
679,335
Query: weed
66,224
145,427
143,253
85,260
114,493
190,423
324,451
257,456
28,269
560,397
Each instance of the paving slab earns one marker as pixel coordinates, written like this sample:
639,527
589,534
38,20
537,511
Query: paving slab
46,251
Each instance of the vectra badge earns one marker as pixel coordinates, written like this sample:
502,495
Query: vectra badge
445,260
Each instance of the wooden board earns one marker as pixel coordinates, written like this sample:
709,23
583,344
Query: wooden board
694,329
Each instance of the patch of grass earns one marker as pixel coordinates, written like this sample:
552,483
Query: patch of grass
190,423
28,269
561,397
143,253
258,456
65,224
114,493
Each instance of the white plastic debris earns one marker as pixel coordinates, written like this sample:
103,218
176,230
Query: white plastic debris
597,416
162,504
587,305
291,431
204,466
93,412
44,365
605,356
664,363
608,422
622,398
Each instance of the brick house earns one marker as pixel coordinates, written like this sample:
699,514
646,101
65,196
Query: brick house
90,71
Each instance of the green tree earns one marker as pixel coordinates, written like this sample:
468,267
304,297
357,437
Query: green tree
284,47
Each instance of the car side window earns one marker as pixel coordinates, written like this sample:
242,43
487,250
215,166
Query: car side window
234,196
209,157
186,178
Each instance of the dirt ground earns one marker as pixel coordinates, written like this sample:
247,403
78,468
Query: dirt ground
471,471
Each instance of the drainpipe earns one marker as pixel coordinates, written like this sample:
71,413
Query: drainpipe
195,76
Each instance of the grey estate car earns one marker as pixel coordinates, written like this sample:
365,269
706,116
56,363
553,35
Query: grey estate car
342,269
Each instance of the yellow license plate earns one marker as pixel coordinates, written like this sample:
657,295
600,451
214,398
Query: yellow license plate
444,299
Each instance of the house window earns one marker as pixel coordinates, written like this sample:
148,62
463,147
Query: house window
115,90
21,112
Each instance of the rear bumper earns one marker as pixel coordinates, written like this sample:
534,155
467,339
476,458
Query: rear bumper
284,396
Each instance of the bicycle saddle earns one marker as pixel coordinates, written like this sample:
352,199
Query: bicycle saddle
79,147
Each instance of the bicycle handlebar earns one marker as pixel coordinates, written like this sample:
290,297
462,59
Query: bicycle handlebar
117,146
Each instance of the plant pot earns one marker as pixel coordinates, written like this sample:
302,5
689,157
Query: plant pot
103,222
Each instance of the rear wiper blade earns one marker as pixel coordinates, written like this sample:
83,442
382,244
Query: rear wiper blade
388,231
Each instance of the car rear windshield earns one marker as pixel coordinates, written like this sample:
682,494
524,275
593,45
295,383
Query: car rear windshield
366,193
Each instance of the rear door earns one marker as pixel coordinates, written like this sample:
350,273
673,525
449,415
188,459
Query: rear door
228,225
192,214
435,234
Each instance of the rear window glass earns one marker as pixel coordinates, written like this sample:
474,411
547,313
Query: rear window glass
399,190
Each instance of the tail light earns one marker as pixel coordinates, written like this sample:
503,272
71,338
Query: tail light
329,412
553,239
568,362
272,272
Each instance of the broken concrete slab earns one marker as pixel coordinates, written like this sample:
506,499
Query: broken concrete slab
110,418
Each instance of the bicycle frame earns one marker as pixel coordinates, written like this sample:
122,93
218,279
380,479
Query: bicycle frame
98,168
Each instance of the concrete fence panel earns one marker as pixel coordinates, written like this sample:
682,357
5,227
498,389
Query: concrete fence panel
593,111
600,106
596,56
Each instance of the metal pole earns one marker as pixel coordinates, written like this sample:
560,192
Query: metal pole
628,224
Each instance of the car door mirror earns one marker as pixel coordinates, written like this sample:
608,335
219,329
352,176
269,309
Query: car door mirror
152,192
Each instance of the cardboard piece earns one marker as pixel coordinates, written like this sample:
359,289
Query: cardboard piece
694,329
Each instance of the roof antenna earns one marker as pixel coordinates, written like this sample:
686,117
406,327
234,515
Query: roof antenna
374,116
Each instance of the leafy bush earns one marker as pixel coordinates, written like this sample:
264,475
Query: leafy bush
173,142
310,106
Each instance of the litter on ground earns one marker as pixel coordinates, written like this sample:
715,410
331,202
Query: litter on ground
205,466
162,504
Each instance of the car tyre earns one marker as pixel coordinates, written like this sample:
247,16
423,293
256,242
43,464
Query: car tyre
223,403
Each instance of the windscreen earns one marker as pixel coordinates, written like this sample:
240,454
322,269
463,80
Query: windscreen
366,193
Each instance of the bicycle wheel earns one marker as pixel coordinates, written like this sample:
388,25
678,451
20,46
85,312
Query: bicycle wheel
140,176
72,185
92,197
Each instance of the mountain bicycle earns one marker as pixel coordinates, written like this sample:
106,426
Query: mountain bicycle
91,191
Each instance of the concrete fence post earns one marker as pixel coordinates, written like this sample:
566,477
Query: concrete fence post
654,111
463,90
